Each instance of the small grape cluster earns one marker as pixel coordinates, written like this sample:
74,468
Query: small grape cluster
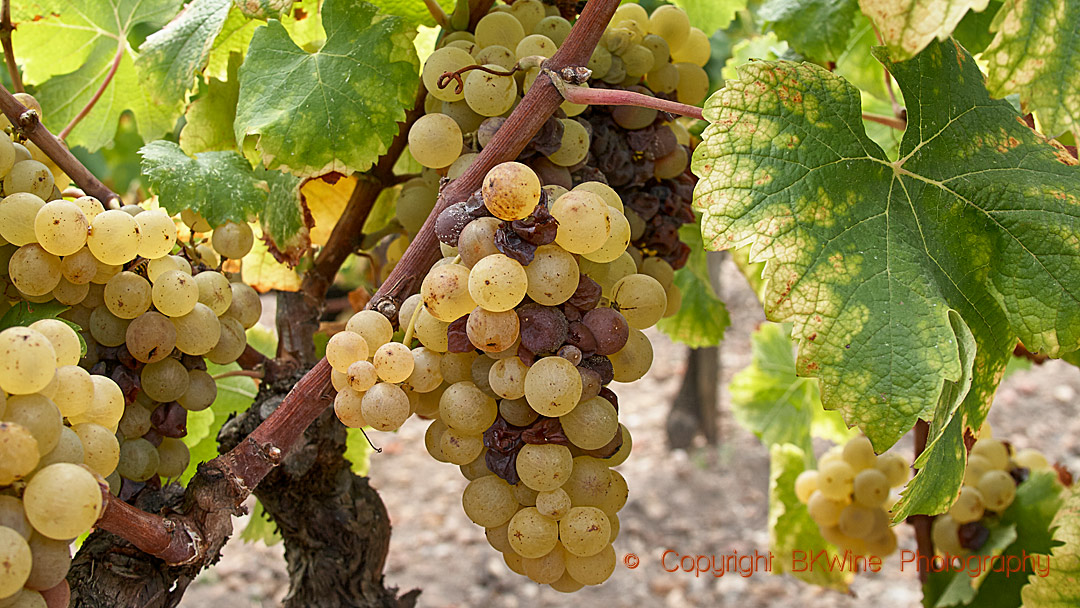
993,473
148,318
849,496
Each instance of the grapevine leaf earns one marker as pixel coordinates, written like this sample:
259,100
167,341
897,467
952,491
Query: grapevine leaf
327,201
82,26
1036,53
24,313
219,185
209,119
260,528
264,273
857,64
95,37
346,98
908,26
751,270
867,256
973,32
170,58
768,399
941,464
285,219
815,28
235,394
383,211
766,46
235,36
1022,532
413,12
1060,586
791,530
710,15
702,318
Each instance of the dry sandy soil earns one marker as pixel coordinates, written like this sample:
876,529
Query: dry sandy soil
709,500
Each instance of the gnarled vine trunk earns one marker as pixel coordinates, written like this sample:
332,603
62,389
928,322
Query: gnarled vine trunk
335,527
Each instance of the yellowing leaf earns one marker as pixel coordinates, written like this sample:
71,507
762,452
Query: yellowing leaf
264,273
326,202
907,26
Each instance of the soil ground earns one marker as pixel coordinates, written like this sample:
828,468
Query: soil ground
708,500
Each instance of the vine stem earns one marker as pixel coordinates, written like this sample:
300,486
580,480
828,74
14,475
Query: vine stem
924,541
30,124
224,482
6,28
618,97
97,94
889,121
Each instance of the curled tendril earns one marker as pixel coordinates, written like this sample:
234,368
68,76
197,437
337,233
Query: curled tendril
447,77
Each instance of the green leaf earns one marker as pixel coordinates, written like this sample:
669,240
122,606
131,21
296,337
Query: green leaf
260,528
235,394
235,37
171,58
867,256
1036,53
815,28
1060,586
219,185
209,119
767,46
24,313
973,32
94,38
769,400
285,219
383,211
412,11
702,318
346,98
56,37
710,15
791,530
909,26
857,64
942,462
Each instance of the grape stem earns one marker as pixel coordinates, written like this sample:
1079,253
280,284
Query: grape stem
924,542
619,97
29,123
247,373
889,121
222,484
6,28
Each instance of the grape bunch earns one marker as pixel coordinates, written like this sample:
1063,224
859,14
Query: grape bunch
993,473
642,154
150,309
849,496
